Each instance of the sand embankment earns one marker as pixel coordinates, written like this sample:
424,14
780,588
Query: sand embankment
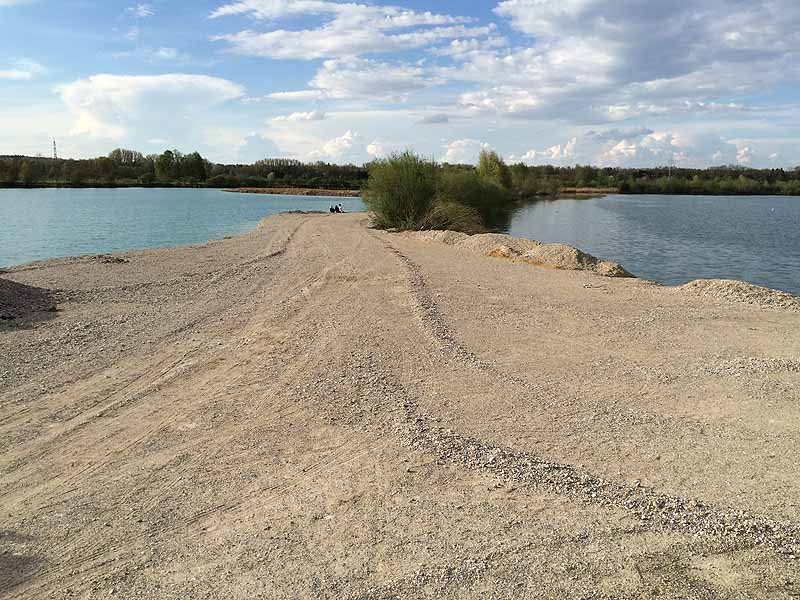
317,409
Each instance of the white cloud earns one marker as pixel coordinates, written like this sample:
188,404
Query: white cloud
110,106
744,155
360,78
330,42
133,34
298,95
23,69
314,115
661,148
141,11
464,151
350,29
559,153
154,55
376,150
385,17
336,147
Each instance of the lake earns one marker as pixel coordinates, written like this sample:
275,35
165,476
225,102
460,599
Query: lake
670,239
48,223
674,239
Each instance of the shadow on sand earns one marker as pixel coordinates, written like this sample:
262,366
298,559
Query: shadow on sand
22,305
15,568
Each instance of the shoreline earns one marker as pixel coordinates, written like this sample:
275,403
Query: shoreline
297,192
446,394
503,245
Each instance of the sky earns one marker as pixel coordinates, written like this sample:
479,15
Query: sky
613,83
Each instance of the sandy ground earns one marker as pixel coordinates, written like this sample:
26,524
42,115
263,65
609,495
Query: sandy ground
320,410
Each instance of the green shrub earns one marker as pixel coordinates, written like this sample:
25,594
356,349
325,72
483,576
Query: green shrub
491,168
491,202
454,216
400,191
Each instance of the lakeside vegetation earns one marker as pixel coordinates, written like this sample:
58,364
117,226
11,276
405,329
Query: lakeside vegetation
407,192
174,169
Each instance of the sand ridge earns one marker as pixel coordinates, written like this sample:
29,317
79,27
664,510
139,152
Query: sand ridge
318,409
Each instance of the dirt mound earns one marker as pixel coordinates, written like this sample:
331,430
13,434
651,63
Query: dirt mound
18,300
731,290
567,257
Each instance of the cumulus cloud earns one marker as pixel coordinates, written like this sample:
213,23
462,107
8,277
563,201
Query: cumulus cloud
599,61
336,147
464,151
661,148
744,155
557,154
375,149
109,106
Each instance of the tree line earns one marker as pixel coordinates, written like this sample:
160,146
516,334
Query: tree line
723,180
172,168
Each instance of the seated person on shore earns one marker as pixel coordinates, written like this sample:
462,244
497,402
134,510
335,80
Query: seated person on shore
340,208
332,209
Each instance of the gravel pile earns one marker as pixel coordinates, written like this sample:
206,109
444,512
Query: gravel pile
19,301
499,245
731,290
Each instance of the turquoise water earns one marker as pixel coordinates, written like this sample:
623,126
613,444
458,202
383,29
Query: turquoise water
670,239
674,239
48,223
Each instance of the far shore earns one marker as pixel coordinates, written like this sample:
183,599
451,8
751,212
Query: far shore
290,191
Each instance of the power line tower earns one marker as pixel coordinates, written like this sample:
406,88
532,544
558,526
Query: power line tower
55,151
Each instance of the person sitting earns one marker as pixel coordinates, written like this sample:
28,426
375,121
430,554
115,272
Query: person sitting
332,209
337,209
340,208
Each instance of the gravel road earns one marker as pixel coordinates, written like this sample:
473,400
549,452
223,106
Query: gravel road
320,410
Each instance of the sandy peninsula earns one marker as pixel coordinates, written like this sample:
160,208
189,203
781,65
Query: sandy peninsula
320,410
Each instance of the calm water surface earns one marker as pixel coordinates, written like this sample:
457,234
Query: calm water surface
674,239
48,223
670,239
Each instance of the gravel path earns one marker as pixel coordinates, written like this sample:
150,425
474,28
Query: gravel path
317,409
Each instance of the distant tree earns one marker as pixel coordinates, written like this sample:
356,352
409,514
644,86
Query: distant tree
167,166
25,173
492,168
193,166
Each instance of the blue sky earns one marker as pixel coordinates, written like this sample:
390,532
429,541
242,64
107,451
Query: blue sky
628,83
